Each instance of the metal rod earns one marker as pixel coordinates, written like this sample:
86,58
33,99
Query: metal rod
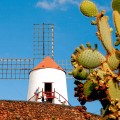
43,42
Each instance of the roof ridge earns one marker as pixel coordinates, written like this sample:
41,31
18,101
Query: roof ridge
47,63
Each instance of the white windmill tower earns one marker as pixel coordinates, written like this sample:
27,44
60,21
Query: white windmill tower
54,77
51,80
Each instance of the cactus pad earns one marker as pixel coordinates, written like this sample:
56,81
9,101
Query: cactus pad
89,87
113,62
88,8
104,32
116,18
113,90
116,5
87,57
79,73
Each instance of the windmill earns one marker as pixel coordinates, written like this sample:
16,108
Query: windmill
43,45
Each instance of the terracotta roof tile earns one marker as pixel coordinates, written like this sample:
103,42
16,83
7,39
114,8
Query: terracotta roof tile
47,63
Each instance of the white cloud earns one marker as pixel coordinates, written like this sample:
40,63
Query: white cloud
65,4
61,1
55,4
74,2
46,5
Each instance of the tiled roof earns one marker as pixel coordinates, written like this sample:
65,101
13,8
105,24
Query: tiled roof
47,63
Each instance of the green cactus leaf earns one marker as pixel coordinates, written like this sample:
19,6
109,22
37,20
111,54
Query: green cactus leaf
113,91
87,57
80,74
89,87
105,34
113,62
116,5
116,17
88,8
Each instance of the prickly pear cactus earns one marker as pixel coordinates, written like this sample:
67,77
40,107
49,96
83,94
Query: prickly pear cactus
97,77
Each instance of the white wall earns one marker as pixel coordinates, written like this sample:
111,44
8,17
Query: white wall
57,77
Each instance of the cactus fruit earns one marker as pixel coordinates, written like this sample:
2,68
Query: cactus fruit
88,8
101,74
116,5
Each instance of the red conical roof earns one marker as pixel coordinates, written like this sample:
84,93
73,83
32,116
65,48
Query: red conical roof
47,63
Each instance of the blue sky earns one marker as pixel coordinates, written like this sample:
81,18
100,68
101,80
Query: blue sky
71,29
